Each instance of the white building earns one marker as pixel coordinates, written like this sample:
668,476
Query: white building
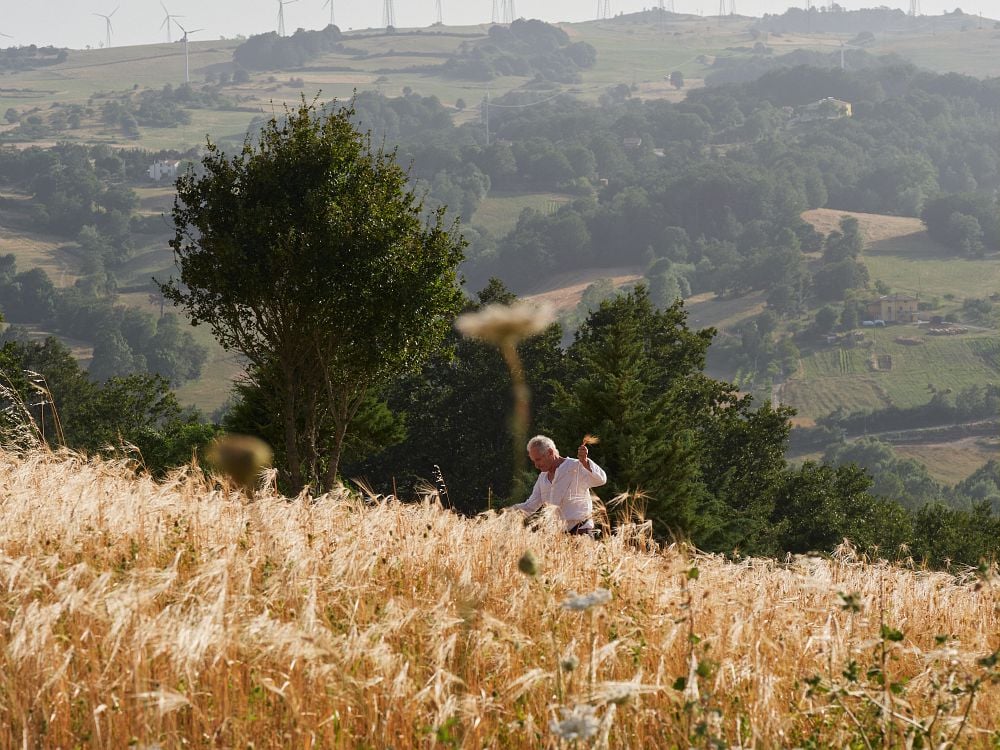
163,170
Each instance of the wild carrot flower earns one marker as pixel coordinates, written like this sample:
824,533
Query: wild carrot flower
583,602
578,723
505,325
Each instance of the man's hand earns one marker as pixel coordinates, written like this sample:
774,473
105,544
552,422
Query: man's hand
582,455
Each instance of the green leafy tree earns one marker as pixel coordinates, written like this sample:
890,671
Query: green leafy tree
306,253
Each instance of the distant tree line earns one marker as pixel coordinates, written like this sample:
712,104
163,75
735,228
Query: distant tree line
126,340
834,20
272,52
30,56
523,48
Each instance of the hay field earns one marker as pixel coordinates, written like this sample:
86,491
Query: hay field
178,614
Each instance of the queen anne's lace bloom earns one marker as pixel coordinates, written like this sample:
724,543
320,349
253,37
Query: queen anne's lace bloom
582,602
505,325
578,723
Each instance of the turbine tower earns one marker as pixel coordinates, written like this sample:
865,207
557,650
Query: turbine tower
603,9
187,65
168,20
281,15
508,12
330,3
107,23
727,8
389,14
438,13
914,8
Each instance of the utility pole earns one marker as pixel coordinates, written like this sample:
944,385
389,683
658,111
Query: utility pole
509,14
486,115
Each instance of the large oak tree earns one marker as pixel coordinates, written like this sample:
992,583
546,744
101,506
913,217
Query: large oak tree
307,254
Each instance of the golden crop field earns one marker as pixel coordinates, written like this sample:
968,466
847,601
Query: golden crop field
180,614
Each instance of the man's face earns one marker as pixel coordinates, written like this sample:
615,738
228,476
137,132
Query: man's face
542,458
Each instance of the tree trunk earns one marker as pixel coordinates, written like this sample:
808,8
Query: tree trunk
294,468
340,430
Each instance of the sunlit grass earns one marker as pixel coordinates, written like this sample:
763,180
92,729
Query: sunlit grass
144,613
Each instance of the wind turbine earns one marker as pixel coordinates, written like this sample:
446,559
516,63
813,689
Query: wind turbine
167,20
107,22
281,14
187,66
330,3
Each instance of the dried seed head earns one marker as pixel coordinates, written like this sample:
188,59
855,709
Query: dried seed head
240,457
528,564
505,325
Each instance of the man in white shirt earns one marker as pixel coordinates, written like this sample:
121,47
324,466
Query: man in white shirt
565,483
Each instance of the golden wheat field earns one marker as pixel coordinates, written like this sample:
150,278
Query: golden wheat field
176,614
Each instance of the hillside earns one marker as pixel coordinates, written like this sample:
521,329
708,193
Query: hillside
638,50
165,612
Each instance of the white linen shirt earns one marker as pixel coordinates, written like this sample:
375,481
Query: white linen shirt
569,491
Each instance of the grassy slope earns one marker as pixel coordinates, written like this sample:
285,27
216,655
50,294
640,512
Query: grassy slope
899,252
167,613
836,377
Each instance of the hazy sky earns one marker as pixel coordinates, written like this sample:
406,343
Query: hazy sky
70,23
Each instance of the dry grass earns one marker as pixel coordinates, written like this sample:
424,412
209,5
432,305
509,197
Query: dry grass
178,614
565,290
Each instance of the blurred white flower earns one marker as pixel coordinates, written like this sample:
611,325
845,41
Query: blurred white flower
582,602
578,723
505,325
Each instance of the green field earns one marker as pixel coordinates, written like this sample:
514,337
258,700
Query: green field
919,265
498,212
835,377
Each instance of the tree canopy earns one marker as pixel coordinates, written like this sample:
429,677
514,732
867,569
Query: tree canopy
307,254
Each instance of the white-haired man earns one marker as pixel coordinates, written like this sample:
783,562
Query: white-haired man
564,483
